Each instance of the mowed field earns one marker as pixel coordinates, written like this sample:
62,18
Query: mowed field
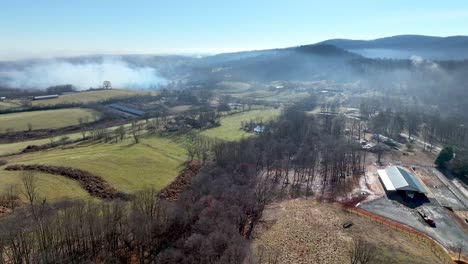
154,162
305,231
230,128
89,97
45,119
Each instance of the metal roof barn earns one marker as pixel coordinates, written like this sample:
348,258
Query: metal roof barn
44,97
127,109
398,179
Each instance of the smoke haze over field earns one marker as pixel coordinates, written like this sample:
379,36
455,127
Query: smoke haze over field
84,75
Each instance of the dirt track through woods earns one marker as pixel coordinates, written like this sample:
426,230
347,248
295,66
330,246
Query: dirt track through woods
93,184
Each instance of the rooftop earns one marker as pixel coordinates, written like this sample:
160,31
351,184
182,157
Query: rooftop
396,178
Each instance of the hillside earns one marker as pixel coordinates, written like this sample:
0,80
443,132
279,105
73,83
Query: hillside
312,62
404,46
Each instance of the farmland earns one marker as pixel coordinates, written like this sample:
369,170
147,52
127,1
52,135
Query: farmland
88,97
51,187
8,105
47,119
16,147
230,128
129,167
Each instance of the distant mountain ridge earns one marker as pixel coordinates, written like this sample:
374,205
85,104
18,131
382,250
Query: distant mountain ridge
403,46
321,50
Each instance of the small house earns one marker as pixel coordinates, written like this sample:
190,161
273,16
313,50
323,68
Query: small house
259,129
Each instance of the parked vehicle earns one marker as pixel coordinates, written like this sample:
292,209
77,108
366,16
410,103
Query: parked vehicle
426,218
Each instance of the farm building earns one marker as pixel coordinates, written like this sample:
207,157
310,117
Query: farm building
235,105
259,129
44,97
127,109
2,98
396,179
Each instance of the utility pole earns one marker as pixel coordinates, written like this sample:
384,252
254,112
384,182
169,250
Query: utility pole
459,253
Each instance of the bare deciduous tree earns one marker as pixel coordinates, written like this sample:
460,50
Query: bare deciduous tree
136,131
120,132
361,252
29,187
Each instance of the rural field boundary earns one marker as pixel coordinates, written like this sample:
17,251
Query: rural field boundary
93,184
182,182
435,246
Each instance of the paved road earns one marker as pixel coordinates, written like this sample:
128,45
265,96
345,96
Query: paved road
452,187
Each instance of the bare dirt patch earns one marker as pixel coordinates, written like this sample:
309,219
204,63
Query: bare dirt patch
305,231
93,184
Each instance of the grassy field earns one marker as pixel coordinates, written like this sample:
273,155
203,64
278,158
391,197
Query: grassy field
304,231
8,105
230,125
51,187
88,97
129,167
12,148
45,119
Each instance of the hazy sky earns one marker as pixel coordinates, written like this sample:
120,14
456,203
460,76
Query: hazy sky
42,28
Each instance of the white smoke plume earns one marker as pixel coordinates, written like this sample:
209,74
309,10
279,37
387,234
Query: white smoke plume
84,75
419,61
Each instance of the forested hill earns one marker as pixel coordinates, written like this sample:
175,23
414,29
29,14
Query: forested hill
309,62
405,46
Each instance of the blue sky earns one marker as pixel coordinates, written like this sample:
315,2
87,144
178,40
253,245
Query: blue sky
43,28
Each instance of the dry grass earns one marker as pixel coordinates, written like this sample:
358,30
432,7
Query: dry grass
304,231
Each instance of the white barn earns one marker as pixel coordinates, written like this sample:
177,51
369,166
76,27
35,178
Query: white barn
398,179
